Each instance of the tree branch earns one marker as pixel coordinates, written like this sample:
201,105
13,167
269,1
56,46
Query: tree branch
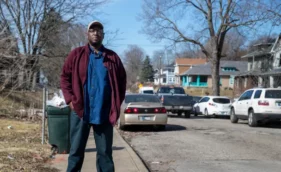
186,39
198,8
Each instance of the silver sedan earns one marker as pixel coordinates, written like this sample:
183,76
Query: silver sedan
142,109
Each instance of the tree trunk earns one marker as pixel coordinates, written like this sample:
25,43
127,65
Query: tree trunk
215,76
215,60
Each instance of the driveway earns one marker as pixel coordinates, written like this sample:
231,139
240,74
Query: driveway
208,144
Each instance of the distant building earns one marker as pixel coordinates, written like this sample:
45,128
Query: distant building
263,67
165,76
183,64
201,75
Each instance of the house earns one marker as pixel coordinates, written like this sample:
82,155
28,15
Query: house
264,67
165,76
183,64
201,75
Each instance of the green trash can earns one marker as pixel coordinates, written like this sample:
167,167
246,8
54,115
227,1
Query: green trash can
59,128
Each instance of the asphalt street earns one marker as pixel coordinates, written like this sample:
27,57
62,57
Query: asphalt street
203,144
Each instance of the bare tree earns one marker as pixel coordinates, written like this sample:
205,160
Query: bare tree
199,22
188,50
31,22
234,46
275,12
158,60
133,59
10,58
57,48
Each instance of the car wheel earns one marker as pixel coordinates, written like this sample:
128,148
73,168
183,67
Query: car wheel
252,120
233,117
195,112
206,113
161,127
120,126
187,114
179,113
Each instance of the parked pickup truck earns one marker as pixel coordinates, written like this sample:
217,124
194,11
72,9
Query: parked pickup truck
175,100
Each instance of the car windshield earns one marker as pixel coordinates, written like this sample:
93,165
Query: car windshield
174,90
221,100
195,98
141,98
273,94
148,91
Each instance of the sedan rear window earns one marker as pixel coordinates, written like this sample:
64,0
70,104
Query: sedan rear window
148,92
141,98
221,100
168,90
273,94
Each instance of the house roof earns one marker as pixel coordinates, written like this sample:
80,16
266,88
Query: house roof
205,69
276,43
169,66
273,72
260,52
250,73
190,61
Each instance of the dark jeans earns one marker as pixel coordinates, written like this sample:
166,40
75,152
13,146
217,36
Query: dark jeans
79,132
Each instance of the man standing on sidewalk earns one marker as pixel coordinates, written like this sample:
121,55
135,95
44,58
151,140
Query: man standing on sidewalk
93,82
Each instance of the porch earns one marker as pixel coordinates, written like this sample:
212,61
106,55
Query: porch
194,81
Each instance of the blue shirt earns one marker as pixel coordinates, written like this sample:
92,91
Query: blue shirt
97,91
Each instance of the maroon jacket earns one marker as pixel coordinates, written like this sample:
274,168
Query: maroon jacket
74,75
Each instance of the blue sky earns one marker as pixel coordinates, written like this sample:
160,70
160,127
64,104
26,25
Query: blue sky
122,15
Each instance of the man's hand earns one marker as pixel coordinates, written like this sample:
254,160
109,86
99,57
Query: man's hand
71,106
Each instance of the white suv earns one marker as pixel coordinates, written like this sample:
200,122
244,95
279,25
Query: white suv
257,105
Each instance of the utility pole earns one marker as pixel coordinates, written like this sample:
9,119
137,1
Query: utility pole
160,71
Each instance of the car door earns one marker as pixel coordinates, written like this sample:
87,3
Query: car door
202,104
197,105
247,102
239,104
243,103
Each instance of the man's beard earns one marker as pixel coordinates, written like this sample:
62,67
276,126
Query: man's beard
95,44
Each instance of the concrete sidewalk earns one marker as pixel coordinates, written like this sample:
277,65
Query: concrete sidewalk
125,159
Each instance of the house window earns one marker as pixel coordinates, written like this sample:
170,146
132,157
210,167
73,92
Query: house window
229,69
171,70
170,79
164,80
231,80
204,79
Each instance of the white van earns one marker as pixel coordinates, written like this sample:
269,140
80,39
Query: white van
146,90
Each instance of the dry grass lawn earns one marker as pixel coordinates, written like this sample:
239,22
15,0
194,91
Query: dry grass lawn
203,91
21,148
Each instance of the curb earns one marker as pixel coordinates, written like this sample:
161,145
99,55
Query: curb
135,157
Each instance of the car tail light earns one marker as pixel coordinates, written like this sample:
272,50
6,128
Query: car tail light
163,110
212,104
160,110
128,110
131,110
135,110
263,103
